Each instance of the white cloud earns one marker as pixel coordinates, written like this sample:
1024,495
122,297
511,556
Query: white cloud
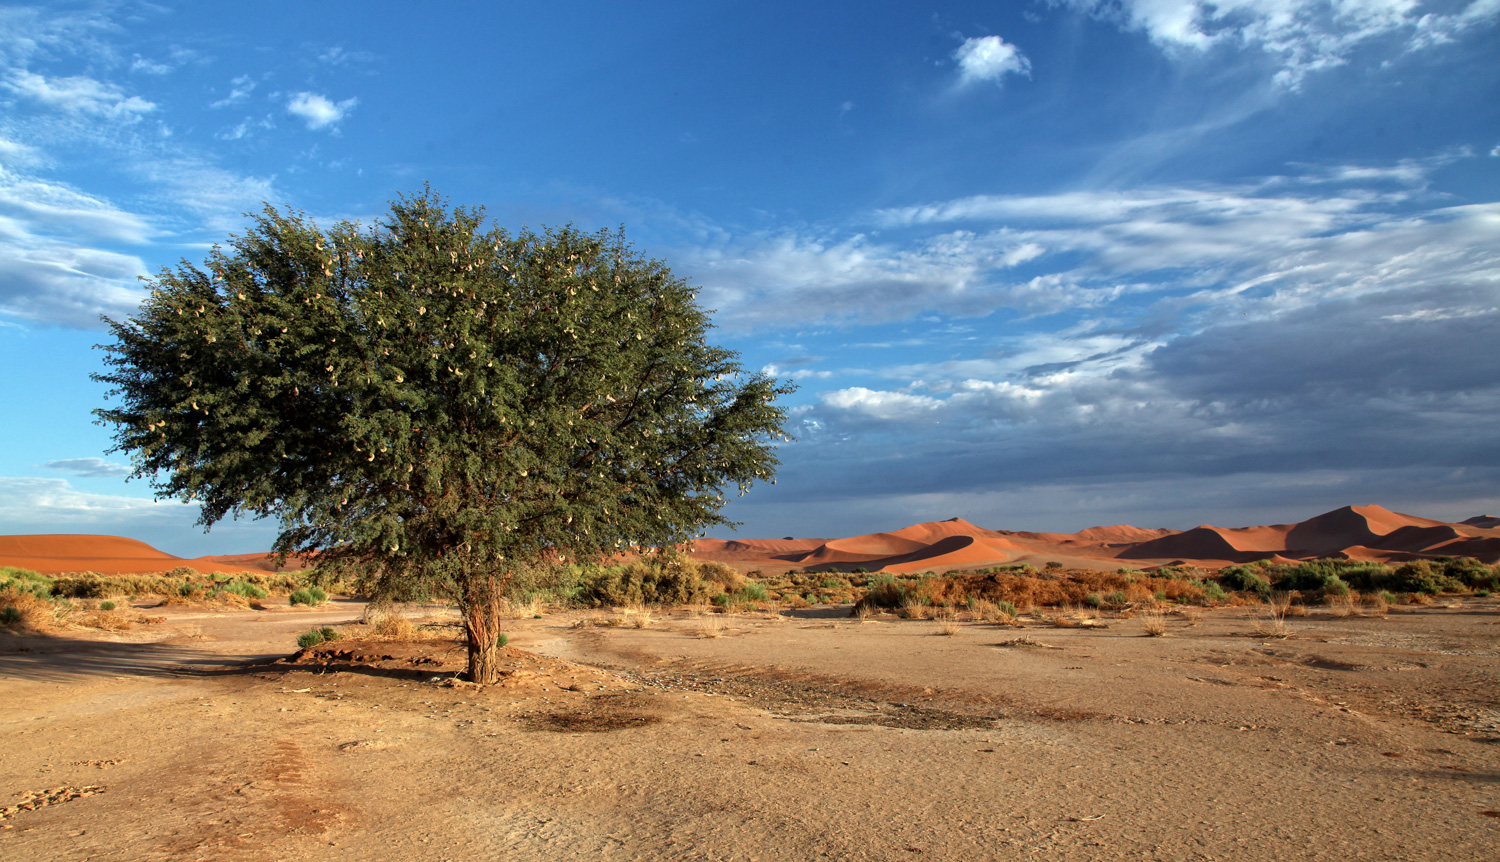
887,406
240,89
26,501
90,468
989,58
1302,36
319,112
148,67
78,95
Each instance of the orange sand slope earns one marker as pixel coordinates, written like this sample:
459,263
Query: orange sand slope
109,555
1353,532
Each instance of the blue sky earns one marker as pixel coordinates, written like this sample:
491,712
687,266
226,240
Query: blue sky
1042,265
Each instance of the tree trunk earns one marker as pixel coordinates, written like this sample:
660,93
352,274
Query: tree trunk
482,621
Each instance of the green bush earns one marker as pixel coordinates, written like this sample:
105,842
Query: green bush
1213,592
1006,608
310,596
659,579
1420,576
10,615
329,634
245,589
310,639
1094,600
106,606
1244,579
1335,586
502,639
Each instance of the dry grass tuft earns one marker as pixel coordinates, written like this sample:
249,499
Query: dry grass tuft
713,627
640,618
865,613
948,625
1154,621
21,609
392,627
520,609
1376,605
913,608
1190,614
1341,606
1273,623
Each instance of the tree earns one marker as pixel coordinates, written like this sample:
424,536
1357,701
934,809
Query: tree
433,408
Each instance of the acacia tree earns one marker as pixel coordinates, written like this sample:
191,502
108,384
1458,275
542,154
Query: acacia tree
430,407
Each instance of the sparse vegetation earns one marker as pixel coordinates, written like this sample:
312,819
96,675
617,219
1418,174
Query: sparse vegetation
1154,621
309,596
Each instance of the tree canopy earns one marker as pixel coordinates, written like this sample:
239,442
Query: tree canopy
431,406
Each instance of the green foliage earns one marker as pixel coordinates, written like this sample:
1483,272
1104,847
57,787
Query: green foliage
248,590
661,578
1420,576
1006,608
1213,592
1093,600
1245,579
10,615
310,596
329,634
754,592
310,639
1052,566
28,581
502,639
106,606
428,404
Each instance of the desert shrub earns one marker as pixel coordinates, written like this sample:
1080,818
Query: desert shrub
1094,600
106,606
25,580
247,590
183,572
502,639
1244,579
1482,593
310,639
1213,592
329,633
1471,572
1006,608
1308,576
310,596
753,591
11,615
1335,586
1419,576
886,594
1052,566
658,579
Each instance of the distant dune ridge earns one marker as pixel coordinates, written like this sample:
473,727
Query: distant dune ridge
115,555
1353,532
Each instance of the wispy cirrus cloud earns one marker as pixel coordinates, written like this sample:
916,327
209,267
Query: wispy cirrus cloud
1301,37
78,94
89,468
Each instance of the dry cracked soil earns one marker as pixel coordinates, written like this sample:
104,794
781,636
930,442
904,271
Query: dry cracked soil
797,736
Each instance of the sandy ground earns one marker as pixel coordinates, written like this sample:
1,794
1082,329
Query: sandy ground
789,738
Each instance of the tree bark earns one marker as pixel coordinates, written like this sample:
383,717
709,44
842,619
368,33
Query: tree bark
482,623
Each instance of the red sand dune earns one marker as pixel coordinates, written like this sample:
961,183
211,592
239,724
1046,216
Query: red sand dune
107,555
1353,532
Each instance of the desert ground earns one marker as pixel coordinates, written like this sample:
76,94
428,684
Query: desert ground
788,735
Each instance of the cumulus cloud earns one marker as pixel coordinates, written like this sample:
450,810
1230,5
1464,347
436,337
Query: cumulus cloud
90,468
319,112
1301,36
989,58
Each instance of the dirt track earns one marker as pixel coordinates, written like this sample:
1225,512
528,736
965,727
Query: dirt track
808,737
